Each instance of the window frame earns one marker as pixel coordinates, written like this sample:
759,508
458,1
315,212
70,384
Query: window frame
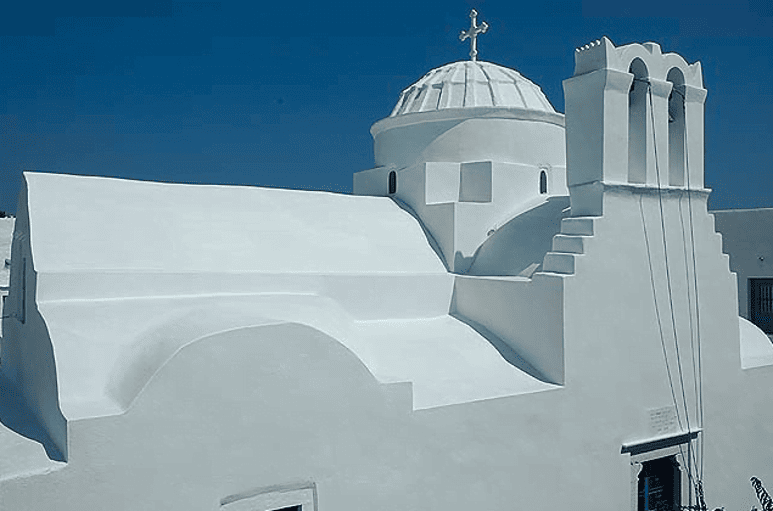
273,498
675,445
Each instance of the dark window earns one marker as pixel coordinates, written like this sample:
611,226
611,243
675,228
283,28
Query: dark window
543,182
761,304
291,508
393,182
660,487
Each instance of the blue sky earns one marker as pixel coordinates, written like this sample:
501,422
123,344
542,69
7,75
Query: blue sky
283,94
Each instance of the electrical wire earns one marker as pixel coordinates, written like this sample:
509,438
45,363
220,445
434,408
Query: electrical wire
695,284
657,309
691,459
699,396
662,336
693,340
667,265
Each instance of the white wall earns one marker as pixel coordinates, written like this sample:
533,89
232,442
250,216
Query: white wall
28,357
328,421
88,223
6,235
613,340
748,239
651,306
527,314
82,238
280,403
466,171
470,134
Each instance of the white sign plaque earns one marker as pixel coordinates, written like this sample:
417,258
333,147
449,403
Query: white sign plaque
663,420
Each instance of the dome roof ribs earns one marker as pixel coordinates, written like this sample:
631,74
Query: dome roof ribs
494,101
468,84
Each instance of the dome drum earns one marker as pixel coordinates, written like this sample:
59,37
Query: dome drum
501,138
470,111
465,148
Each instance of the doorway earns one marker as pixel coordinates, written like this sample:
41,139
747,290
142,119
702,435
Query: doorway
659,486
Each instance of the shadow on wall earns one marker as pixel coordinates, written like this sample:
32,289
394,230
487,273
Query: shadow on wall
504,349
522,241
461,262
430,239
15,415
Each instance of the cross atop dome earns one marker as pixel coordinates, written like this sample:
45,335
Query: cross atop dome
473,33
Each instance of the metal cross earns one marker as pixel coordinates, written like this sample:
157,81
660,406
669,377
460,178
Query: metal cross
473,34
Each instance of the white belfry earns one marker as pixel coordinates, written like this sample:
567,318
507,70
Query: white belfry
475,29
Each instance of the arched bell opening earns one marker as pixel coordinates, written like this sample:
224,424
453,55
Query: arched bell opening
637,122
676,129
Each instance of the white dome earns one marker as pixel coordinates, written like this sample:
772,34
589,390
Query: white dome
469,84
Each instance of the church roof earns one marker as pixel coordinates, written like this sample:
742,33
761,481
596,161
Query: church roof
163,265
84,223
468,84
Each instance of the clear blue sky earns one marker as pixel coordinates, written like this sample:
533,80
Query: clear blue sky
283,94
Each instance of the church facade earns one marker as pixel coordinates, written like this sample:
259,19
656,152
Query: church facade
516,309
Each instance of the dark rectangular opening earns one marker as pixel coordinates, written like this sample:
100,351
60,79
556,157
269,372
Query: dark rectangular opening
761,304
291,508
392,187
660,485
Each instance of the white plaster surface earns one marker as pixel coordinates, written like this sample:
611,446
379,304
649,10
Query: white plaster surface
20,446
469,84
446,361
104,364
178,357
521,241
6,234
756,346
101,224
362,272
19,454
467,143
664,299
748,239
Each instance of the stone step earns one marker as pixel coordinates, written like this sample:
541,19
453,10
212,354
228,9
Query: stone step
579,225
571,244
559,262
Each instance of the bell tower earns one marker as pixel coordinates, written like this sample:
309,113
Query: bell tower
634,118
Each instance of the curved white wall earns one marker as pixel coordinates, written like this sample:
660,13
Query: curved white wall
470,136
465,172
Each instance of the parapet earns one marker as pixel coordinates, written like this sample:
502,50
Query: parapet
603,54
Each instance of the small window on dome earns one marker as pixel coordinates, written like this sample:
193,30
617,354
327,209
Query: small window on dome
392,182
543,182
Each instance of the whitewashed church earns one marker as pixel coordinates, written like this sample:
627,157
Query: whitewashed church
517,309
